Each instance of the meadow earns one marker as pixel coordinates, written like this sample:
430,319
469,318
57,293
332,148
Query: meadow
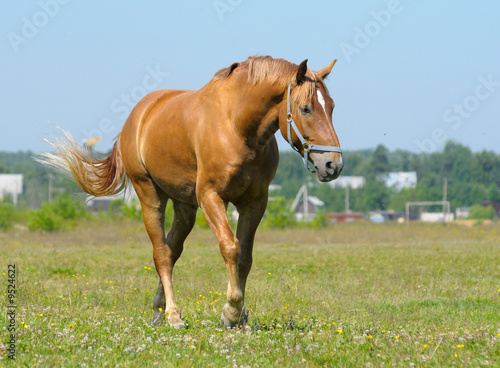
346,295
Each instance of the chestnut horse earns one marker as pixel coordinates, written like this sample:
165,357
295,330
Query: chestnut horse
207,148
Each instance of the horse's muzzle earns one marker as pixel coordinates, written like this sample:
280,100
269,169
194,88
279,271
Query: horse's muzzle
328,165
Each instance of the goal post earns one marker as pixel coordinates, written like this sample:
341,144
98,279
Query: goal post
445,204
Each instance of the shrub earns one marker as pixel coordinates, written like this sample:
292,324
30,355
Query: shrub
45,220
478,212
278,214
115,207
318,221
67,208
7,215
132,210
63,212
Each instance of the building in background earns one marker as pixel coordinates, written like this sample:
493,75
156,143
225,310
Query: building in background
400,179
462,212
11,185
307,208
353,182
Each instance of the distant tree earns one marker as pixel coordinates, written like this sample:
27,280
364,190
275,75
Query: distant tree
400,160
380,160
493,193
465,194
457,162
352,161
486,168
375,165
334,198
374,196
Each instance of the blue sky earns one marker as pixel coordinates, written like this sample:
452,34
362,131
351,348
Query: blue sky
410,74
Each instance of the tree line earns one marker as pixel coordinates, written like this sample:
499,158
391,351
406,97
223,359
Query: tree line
472,178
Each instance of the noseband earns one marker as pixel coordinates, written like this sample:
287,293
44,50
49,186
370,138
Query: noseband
308,148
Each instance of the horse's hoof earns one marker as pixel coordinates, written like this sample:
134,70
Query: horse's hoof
175,321
179,326
235,321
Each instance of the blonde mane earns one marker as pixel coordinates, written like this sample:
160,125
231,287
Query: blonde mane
280,71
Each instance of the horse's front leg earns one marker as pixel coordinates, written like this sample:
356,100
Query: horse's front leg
250,214
214,210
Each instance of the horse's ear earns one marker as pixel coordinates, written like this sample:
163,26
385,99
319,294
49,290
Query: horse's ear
226,72
301,72
323,73
232,67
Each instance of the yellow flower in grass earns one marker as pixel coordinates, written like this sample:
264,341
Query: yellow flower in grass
340,331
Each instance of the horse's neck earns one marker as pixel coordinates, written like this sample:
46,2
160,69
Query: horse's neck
258,116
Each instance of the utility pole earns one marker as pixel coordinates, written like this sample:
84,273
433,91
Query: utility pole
445,190
347,210
306,203
51,189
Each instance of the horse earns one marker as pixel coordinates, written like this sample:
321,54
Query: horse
208,148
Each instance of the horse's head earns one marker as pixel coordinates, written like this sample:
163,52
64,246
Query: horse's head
306,122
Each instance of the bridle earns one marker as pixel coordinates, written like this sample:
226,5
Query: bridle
308,148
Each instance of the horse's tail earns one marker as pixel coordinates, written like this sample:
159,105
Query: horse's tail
98,177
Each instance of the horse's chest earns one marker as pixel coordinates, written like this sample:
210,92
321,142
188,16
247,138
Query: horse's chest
246,181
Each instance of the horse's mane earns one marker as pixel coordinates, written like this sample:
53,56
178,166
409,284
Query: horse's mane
280,71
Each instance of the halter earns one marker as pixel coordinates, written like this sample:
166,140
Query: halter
308,148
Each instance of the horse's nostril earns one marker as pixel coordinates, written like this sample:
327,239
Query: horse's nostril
330,167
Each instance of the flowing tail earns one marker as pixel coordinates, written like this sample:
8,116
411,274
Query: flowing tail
98,177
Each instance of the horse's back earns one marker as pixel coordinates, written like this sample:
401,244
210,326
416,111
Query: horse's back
138,125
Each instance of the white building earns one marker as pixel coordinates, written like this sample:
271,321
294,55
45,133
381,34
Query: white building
400,180
353,182
436,217
462,212
11,185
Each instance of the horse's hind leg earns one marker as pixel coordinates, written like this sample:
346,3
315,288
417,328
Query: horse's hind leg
164,301
165,252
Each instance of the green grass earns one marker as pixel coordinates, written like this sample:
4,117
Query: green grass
348,295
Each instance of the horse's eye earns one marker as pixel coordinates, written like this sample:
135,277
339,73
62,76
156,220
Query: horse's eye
306,109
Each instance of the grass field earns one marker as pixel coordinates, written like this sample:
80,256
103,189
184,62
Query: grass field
350,295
